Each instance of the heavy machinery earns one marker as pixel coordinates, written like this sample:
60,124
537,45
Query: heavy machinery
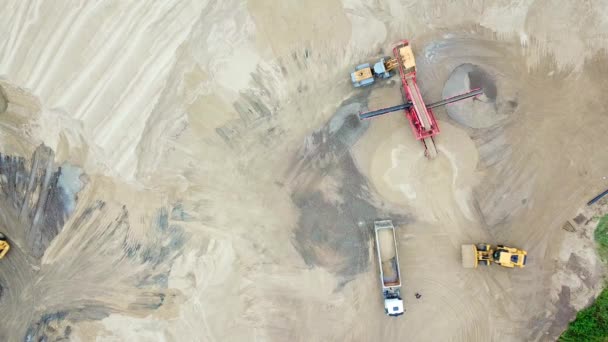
390,273
365,75
485,254
4,246
420,116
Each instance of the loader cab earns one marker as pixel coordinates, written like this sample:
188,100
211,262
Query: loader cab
393,307
509,257
502,257
380,69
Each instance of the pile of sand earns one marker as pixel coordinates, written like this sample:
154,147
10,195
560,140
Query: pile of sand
482,111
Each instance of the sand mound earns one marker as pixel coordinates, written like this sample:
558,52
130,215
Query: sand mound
387,250
482,112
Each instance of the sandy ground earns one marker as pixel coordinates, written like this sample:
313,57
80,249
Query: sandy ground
195,170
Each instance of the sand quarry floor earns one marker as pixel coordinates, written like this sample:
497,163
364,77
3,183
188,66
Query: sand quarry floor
196,171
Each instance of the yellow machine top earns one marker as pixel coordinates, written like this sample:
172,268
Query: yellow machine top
505,258
407,57
363,74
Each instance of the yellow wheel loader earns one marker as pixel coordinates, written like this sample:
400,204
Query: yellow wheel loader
4,246
485,254
365,74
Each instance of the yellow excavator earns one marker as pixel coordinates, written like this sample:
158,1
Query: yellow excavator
4,246
485,254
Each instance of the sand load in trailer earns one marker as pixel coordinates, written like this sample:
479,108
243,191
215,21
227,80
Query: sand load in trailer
390,274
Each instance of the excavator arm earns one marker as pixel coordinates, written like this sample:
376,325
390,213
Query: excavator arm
391,64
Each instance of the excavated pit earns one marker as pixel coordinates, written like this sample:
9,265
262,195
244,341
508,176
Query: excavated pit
482,111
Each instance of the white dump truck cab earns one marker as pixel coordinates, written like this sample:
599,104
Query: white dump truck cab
390,273
393,306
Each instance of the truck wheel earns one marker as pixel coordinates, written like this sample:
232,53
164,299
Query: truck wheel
2,237
481,247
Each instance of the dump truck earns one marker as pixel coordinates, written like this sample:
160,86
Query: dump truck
390,273
4,245
485,254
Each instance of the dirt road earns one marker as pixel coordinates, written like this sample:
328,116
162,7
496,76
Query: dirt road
195,170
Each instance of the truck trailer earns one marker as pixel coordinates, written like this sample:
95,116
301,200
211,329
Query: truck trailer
390,273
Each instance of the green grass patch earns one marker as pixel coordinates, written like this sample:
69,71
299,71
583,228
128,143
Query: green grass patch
601,237
591,324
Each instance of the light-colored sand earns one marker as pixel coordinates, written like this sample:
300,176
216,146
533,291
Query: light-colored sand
387,255
387,244
186,117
